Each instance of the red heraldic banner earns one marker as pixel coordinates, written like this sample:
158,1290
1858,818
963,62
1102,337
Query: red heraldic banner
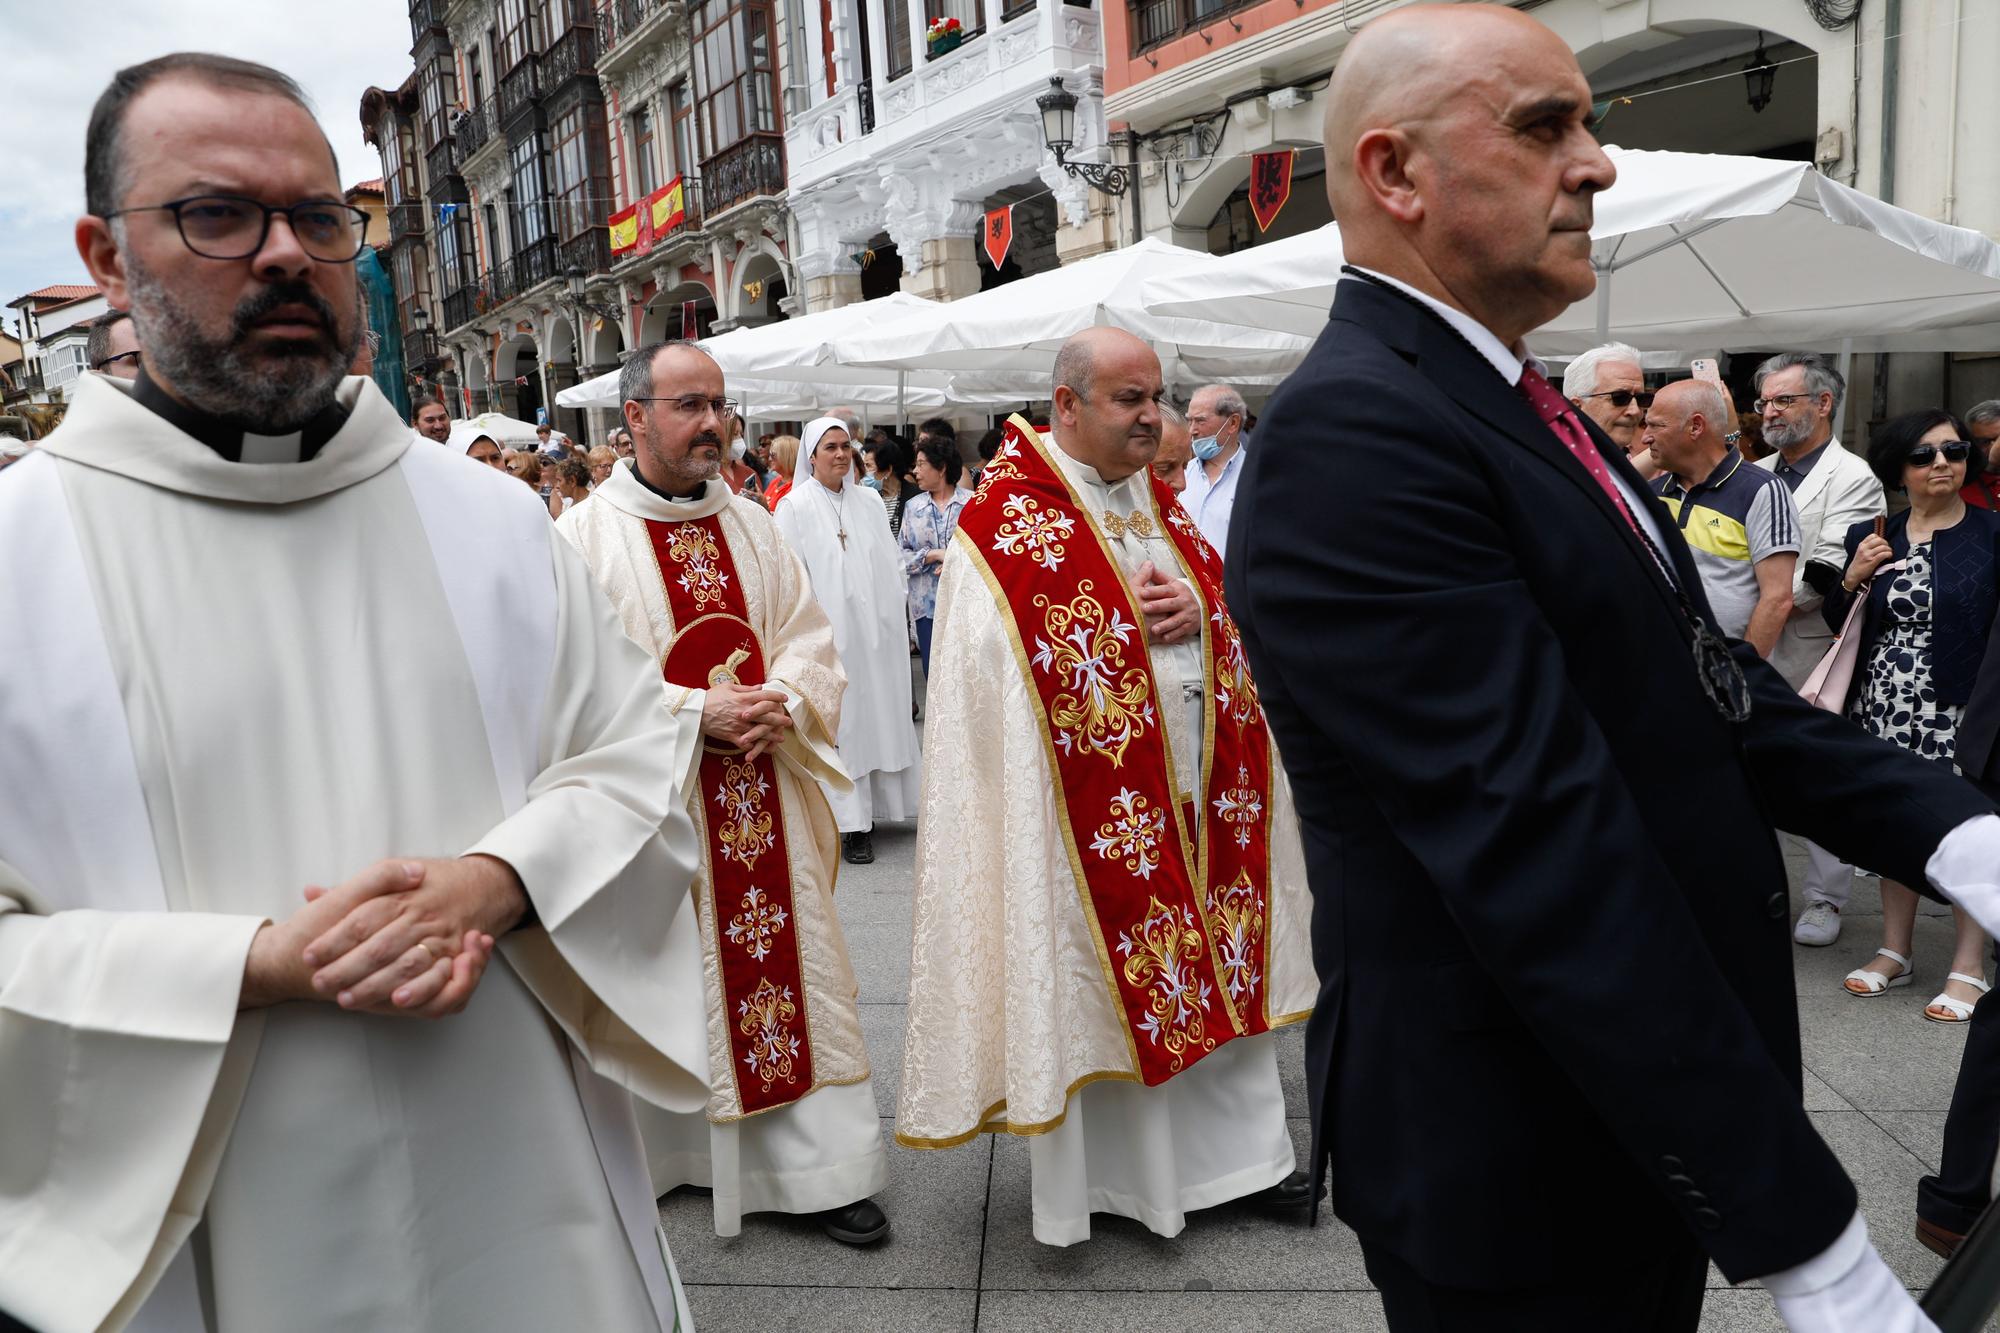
749,862
999,234
1270,185
1178,896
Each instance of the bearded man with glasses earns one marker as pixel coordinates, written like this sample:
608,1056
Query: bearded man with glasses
703,581
1799,396
313,734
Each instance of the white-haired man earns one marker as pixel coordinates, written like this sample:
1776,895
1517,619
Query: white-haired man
1217,419
1799,396
1608,385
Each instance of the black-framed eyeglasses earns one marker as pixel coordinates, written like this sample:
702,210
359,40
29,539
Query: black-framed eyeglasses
694,404
1955,451
1624,398
1782,401
231,226
132,356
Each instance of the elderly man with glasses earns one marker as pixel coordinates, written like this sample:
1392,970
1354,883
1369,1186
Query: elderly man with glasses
702,580
1608,385
1799,396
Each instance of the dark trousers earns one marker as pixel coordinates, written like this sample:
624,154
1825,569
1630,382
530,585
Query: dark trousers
924,644
1654,1285
1956,1196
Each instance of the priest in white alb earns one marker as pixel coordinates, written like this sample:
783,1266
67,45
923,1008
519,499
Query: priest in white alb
705,585
343,858
841,531
1103,956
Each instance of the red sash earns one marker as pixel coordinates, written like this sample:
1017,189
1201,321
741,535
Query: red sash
1178,897
749,864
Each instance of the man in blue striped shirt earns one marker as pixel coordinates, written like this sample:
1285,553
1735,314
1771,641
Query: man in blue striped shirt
1740,523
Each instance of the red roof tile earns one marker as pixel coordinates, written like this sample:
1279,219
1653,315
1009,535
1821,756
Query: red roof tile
62,292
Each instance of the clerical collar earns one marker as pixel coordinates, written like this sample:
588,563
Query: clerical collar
231,441
700,489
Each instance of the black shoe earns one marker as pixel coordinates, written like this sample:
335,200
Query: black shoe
861,1223
1294,1191
858,848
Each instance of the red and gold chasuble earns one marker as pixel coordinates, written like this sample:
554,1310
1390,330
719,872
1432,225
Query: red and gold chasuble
1178,896
749,864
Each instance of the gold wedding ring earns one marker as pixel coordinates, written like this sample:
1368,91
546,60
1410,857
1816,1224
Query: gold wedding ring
425,945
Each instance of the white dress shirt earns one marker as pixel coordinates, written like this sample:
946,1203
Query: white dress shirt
1210,503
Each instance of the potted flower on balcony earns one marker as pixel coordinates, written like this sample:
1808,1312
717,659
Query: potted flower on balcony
943,35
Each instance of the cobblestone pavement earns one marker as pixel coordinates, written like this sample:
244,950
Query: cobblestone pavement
1878,1081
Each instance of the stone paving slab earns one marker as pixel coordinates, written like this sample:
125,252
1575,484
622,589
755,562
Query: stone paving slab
936,1208
1232,1247
752,1309
963,1259
1189,1312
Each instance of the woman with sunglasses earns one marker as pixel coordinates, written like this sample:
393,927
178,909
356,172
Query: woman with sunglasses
1923,635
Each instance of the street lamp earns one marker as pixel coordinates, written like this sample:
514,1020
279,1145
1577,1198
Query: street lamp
578,303
1759,76
1058,108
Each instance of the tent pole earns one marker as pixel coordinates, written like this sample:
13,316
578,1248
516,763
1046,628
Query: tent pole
902,407
1603,306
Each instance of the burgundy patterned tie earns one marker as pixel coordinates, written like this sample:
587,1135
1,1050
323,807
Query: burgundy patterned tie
1556,411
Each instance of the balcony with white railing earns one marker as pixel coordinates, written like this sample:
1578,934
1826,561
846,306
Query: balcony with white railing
1006,53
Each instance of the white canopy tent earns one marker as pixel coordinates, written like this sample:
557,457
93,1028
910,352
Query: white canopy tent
1008,335
787,369
505,431
1693,251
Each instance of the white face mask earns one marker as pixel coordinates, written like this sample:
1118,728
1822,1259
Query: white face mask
737,449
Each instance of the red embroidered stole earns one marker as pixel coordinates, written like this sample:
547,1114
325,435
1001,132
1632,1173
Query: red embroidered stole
1178,896
749,863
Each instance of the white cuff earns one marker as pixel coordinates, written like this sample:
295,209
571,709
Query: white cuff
1966,869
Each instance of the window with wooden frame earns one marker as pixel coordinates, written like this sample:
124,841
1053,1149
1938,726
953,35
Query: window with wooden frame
519,38
579,182
437,89
735,75
645,171
529,222
896,36
680,113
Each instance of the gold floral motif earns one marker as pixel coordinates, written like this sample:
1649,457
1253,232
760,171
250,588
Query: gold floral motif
1139,523
758,924
1180,519
765,1017
1132,835
746,832
1236,922
1033,531
1106,705
1235,692
1160,954
1240,806
690,547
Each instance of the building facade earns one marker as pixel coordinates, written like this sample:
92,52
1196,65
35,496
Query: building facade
52,326
527,129
1882,96
900,146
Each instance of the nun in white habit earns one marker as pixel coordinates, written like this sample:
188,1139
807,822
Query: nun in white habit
841,532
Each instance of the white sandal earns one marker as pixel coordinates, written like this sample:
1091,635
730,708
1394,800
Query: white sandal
1959,1009
1874,983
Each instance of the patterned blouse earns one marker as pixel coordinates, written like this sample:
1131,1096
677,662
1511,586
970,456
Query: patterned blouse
927,528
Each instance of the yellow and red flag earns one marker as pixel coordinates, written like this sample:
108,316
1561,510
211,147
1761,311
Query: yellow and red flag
624,228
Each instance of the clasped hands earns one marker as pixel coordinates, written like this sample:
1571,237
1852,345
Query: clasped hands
1169,609
404,937
749,717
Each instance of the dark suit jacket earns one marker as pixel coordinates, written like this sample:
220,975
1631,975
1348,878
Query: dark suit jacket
1550,914
1965,586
